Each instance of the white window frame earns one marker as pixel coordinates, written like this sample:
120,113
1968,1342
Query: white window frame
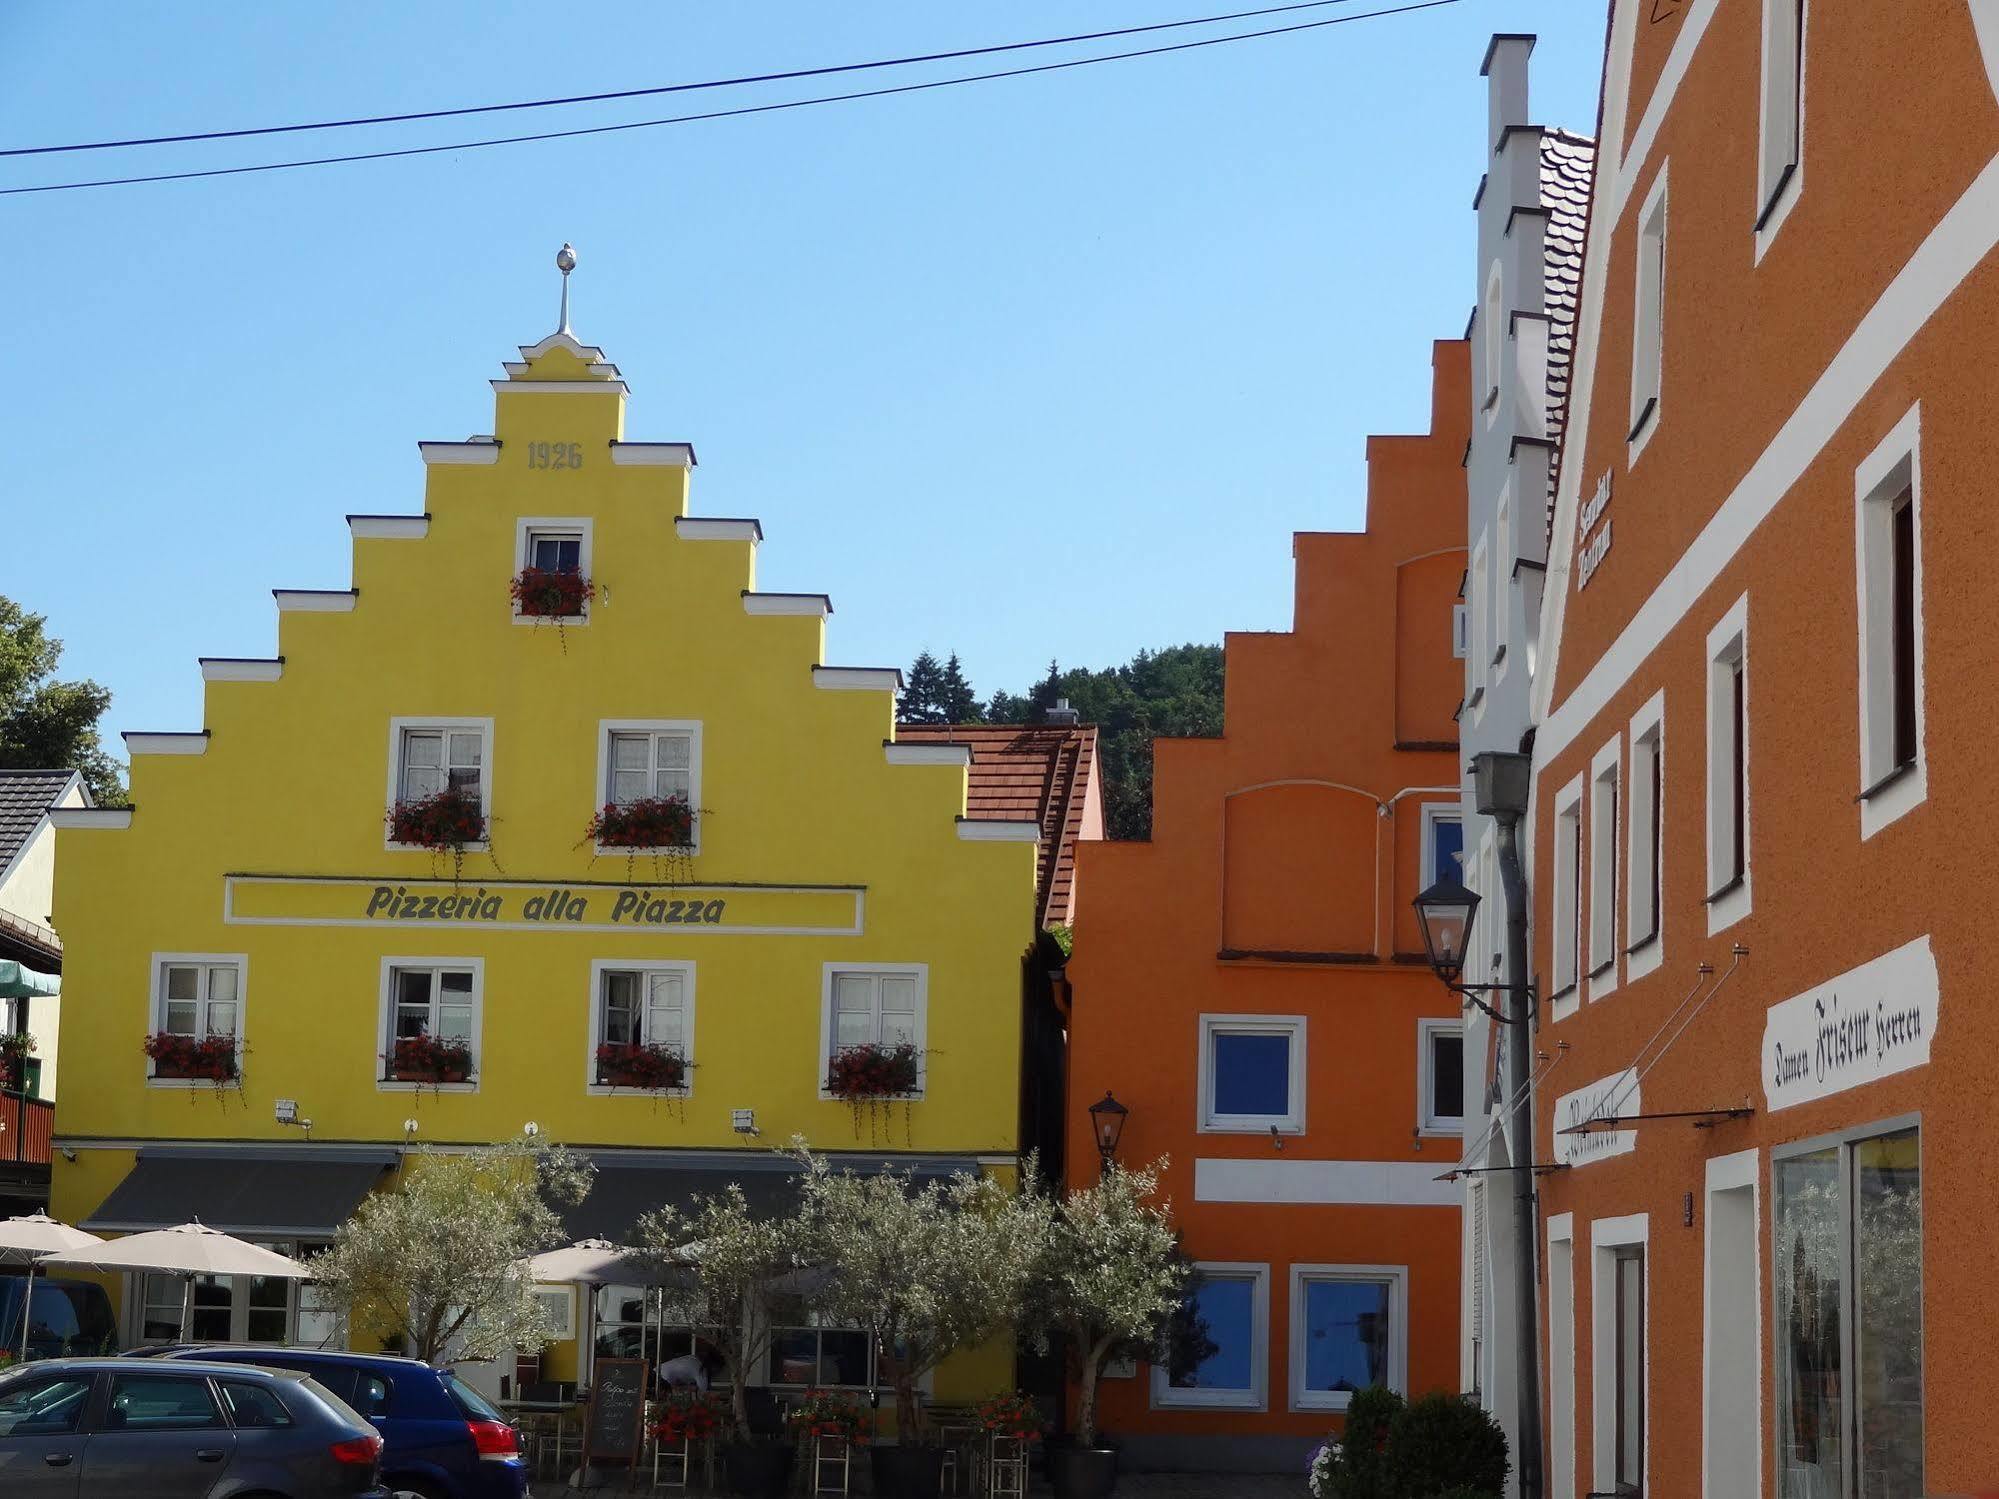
526,528
1728,644
918,971
1481,663
1290,1026
1256,1397
1426,859
1606,790
1562,1354
161,961
1645,857
1502,588
1565,958
1780,174
385,1022
691,727
644,967
561,1301
1494,330
1648,322
1607,1236
1397,1279
1460,631
402,725
1893,467
1428,1121
1740,1171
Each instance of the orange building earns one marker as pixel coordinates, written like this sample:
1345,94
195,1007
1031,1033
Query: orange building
1764,711
1247,983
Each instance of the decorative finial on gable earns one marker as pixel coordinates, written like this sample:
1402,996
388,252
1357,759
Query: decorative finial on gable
565,262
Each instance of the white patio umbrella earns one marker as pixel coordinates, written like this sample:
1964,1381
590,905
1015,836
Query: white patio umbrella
591,1263
30,1237
187,1251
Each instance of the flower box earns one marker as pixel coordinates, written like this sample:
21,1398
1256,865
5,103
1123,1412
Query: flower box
425,1059
657,1068
860,1073
15,1049
206,1058
649,822
546,593
448,819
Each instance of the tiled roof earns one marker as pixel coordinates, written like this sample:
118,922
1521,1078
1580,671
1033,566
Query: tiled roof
1567,164
1042,773
25,799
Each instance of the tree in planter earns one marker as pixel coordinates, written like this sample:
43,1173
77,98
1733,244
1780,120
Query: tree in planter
441,1260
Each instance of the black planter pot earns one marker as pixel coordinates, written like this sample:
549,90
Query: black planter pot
1082,1472
760,1470
908,1472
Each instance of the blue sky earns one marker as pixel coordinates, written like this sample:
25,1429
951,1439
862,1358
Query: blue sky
1041,367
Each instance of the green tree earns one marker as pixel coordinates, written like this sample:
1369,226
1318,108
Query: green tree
960,703
46,724
922,699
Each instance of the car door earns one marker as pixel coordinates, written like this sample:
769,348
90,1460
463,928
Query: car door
161,1435
41,1440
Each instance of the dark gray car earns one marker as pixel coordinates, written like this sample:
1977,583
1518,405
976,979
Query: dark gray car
75,1427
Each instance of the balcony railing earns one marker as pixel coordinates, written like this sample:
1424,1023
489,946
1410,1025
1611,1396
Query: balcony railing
27,1129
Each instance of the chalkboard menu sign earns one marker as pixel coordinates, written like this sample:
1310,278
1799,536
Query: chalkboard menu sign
614,1421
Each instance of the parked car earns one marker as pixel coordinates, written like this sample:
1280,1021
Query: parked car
441,1438
68,1318
108,1426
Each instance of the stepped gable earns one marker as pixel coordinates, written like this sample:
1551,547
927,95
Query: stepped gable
1568,164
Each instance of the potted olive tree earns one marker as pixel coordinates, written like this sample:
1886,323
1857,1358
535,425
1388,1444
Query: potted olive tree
1111,1281
932,1268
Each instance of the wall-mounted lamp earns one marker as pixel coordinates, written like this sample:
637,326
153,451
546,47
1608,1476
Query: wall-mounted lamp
1107,1117
530,1129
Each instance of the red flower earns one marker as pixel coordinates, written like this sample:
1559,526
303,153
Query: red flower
445,819
175,1055
427,1059
548,594
873,1071
649,822
634,1064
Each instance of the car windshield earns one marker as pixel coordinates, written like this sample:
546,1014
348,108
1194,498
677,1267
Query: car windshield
476,1406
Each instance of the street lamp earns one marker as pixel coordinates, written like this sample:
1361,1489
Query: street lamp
1445,913
1107,1117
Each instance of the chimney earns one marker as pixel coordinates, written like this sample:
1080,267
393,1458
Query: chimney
1505,72
1062,713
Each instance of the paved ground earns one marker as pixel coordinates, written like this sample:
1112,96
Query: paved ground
1130,1486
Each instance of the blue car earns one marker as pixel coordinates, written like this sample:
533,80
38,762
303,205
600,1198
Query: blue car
441,1439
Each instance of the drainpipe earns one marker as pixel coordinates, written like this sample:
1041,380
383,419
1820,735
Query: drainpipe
1520,1147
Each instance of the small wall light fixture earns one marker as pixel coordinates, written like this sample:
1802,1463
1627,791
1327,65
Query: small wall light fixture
1107,1117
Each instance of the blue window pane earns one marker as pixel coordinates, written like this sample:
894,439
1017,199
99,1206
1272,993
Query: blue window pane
1346,1334
1218,1350
1252,1075
1447,841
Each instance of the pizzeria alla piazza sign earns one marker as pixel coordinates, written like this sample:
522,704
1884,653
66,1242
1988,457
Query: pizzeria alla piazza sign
1872,1022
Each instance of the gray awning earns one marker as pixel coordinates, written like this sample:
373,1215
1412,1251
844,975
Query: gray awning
628,1186
264,1193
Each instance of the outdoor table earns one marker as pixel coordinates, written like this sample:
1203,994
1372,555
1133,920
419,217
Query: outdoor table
547,1421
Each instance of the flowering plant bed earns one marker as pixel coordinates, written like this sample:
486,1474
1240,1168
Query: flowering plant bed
546,593
859,1074
1009,1415
638,1064
448,819
688,1416
210,1058
15,1049
830,1413
427,1059
649,822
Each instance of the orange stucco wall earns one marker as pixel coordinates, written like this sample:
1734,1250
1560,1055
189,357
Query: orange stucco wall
1277,881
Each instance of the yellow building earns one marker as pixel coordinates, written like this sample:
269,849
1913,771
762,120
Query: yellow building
832,890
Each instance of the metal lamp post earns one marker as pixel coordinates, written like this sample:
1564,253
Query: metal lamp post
1107,1117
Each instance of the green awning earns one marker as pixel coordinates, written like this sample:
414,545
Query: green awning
19,981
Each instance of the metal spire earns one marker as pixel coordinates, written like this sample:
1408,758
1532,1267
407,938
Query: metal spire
565,262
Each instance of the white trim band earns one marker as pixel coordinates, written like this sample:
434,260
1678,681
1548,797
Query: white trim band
241,668
316,600
193,742
858,678
460,452
812,605
389,527
652,454
991,830
928,754
560,387
91,817
717,528
1350,1183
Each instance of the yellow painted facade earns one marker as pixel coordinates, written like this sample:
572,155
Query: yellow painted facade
821,847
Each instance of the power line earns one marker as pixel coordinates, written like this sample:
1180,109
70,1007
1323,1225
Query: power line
670,88
719,114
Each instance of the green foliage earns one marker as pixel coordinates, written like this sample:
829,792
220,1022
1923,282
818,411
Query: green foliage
961,704
1363,1469
46,724
937,694
1443,1443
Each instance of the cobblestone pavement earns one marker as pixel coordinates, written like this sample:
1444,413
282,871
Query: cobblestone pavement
1211,1486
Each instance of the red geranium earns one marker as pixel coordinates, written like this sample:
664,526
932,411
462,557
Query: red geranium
640,1064
1010,1415
450,818
175,1055
649,822
548,593
685,1416
873,1071
429,1059
830,1413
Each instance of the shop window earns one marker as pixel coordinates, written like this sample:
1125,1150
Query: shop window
1783,106
1443,844
1252,1073
430,1022
1728,769
1847,1259
1645,848
197,995
1603,870
241,1308
873,1005
647,1005
824,1355
1888,521
1441,1078
1349,1330
1221,1358
1649,319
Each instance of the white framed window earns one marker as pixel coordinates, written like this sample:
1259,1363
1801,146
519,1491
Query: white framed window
1252,1074
558,1308
1460,631
1440,1077
1887,516
1781,135
556,544
873,1004
427,1004
1619,1368
1603,790
1481,620
1562,1353
1502,588
1230,1369
429,755
640,1004
1567,894
200,996
641,758
1442,856
1349,1330
1495,342
1648,324
1728,768
1644,840
232,1308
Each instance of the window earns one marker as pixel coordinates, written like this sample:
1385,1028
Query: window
1222,1355
1728,769
1568,886
1648,323
1848,1270
1502,566
1783,103
1443,844
556,544
1441,1077
1460,631
160,1402
640,759
1495,348
1618,1312
821,1354
1252,1073
1644,843
199,995
33,1406
427,756
873,1005
558,1309
642,1004
253,1405
1629,1293
1888,517
240,1308
556,551
436,1001
1480,625
1349,1330
1603,869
